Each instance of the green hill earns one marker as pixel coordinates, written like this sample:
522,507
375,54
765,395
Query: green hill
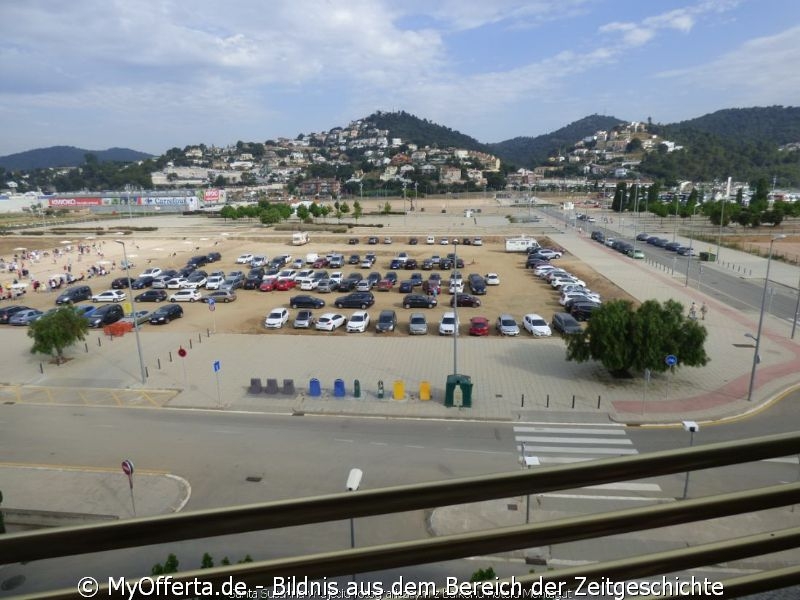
66,156
423,132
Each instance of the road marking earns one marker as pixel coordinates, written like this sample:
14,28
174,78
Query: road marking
571,440
413,446
106,426
223,431
625,485
567,430
341,440
590,497
570,450
473,451
790,460
379,444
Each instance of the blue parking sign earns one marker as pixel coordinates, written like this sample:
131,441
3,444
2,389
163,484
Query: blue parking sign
217,366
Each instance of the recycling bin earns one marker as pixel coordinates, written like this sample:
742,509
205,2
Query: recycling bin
458,390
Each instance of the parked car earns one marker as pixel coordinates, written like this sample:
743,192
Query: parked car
151,296
479,326
582,311
477,241
187,295
449,324
304,301
109,296
325,286
284,285
142,282
329,322
176,283
224,296
141,317
244,259
232,282
213,257
417,324
196,280
353,241
276,318
303,320
565,324
75,294
362,300
120,283
492,279
687,251
165,314
105,315
151,272
406,287
477,284
372,241
358,322
464,300
29,315
536,325
6,312
198,261
419,301
507,325
635,253
387,321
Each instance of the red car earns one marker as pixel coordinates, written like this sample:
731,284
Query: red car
320,263
384,285
283,285
268,284
479,326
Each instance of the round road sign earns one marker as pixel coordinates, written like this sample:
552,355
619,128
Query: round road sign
127,467
182,352
671,360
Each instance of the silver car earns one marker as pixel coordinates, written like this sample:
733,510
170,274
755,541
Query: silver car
417,324
507,325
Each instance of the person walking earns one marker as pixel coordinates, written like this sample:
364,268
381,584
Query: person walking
703,311
693,312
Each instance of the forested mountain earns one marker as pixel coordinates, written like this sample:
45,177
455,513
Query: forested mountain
65,156
743,143
529,152
423,132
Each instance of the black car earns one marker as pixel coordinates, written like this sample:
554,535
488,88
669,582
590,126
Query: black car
214,256
582,311
599,236
413,241
355,300
142,282
477,284
565,324
391,275
373,278
465,300
410,264
8,311
253,279
186,271
642,237
105,315
152,296
355,259
198,261
533,262
445,264
75,294
672,246
304,301
387,321
419,301
346,285
372,241
120,283
166,313
406,287
427,264
353,241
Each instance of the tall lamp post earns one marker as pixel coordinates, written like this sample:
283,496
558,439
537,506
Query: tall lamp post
352,485
761,318
689,256
133,308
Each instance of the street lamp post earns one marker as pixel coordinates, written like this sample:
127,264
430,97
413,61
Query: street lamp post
761,318
691,427
689,256
352,485
133,309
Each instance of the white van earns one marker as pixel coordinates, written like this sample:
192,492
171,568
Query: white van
311,257
430,240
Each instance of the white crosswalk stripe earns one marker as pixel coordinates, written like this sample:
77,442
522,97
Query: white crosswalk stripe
570,443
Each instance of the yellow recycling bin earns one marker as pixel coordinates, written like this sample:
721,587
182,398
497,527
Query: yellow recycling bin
399,392
425,390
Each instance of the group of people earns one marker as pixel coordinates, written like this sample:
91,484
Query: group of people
693,311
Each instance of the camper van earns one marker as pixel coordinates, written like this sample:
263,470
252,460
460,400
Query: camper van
522,243
299,238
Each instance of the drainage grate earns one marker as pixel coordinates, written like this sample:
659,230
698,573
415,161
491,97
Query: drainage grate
253,479
512,507
9,402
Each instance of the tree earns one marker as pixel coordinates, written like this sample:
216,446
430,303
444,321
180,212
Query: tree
207,562
170,566
357,210
387,208
228,212
627,341
487,574
344,208
302,212
55,331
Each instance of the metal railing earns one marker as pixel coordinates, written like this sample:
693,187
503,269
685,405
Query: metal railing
19,547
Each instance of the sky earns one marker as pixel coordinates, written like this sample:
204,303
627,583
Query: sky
152,75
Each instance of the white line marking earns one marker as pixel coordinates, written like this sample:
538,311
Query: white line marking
548,424
562,460
589,450
412,446
590,497
626,485
789,460
378,444
473,451
341,440
567,430
223,431
571,440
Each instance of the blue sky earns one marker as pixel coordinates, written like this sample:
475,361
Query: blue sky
152,75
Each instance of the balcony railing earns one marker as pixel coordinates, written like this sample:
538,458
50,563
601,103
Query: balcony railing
138,532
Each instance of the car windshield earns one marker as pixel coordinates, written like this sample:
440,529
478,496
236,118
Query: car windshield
508,323
418,320
448,321
538,322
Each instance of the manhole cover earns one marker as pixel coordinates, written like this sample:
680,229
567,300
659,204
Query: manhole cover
512,506
253,479
9,402
743,346
12,582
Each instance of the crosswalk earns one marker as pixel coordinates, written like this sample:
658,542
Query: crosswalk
551,444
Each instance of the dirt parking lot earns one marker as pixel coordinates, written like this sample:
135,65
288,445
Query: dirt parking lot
519,292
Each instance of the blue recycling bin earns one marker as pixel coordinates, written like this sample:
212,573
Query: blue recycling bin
338,388
314,388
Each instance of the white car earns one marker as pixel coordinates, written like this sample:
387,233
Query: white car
430,240
444,242
276,318
287,274
449,324
186,295
336,276
358,322
492,279
329,322
214,282
457,287
536,325
557,282
244,259
151,272
176,283
308,284
548,253
195,282
477,242
109,296
542,270
298,263
259,260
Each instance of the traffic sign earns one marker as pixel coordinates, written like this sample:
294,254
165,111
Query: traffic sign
182,352
127,467
212,304
671,360
217,366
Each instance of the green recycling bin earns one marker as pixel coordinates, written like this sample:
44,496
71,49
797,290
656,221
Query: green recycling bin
708,257
458,390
